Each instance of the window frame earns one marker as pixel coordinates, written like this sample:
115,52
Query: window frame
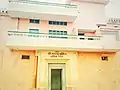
37,30
58,32
57,23
34,21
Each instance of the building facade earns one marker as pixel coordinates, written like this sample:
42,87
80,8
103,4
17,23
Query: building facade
60,45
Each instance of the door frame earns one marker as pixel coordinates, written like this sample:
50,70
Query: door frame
56,66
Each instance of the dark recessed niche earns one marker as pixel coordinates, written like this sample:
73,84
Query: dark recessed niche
104,58
25,57
82,38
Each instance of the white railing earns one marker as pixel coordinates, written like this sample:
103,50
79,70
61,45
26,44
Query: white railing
44,35
27,40
43,3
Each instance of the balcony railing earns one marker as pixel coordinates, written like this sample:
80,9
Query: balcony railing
45,35
28,41
43,3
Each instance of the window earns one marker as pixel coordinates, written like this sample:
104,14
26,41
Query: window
61,33
54,23
54,32
61,23
57,23
65,33
34,30
50,31
65,23
25,57
36,21
57,32
50,22
104,58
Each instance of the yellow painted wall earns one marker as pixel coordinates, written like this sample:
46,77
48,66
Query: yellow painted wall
84,71
15,73
95,74
45,59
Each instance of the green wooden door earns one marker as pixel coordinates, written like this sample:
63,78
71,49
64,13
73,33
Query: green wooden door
56,79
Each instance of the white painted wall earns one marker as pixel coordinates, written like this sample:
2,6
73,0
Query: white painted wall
48,9
45,12
3,29
90,15
112,9
110,35
3,4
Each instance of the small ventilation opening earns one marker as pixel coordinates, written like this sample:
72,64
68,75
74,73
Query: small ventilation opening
82,38
25,57
104,58
90,39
